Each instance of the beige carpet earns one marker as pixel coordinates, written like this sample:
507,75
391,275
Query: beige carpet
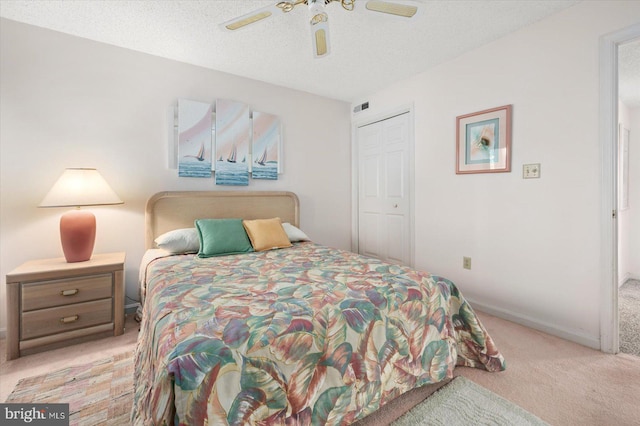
561,382
629,305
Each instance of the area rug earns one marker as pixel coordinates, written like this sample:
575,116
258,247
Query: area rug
98,393
629,306
461,402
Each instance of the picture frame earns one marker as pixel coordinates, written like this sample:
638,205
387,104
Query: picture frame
483,141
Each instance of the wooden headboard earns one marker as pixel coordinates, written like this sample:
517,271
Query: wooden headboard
167,211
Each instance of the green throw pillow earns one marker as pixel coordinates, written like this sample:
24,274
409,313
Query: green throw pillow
219,237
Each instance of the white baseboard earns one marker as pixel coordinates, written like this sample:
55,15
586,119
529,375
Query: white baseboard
564,333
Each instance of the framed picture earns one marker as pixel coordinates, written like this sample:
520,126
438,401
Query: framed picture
194,139
233,141
483,141
266,146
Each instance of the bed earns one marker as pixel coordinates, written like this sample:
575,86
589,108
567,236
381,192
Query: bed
303,334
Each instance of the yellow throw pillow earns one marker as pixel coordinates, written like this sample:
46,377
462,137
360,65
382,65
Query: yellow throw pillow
266,234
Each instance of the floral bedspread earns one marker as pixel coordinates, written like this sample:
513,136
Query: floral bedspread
303,335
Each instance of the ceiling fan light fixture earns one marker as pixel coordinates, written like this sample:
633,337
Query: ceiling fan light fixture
319,20
248,20
398,9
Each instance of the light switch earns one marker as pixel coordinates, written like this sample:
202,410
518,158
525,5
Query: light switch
531,171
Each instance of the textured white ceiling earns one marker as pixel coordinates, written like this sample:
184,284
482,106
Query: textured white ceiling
369,50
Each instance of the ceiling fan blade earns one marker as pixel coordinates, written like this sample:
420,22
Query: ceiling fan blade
251,17
398,9
320,38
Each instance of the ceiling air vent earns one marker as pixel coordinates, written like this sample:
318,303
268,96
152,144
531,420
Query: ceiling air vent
361,107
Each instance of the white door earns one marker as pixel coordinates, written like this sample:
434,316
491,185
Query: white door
383,190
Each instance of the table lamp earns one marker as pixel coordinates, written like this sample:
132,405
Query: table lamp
75,188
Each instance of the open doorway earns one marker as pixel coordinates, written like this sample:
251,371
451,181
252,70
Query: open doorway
608,76
628,176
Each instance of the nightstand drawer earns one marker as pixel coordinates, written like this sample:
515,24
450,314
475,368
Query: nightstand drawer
47,294
65,318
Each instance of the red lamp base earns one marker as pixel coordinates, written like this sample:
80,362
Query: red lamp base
77,235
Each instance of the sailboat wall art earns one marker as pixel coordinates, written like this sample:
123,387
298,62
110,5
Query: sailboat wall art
233,141
266,146
194,139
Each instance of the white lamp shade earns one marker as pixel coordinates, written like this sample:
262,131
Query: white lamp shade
80,187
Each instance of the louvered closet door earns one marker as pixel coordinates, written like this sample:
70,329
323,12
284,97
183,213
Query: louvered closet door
383,190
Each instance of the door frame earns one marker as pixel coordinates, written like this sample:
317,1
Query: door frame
609,318
355,173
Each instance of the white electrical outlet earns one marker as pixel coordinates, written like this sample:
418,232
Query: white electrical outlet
466,262
531,171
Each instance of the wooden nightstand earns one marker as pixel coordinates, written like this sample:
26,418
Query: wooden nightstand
52,303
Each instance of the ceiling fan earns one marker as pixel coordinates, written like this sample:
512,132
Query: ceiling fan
318,18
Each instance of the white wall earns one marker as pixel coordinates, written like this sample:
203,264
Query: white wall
71,102
535,243
632,229
629,219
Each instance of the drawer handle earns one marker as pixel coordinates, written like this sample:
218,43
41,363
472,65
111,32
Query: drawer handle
69,292
67,320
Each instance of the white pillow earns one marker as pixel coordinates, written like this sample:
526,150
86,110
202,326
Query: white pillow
294,233
178,241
